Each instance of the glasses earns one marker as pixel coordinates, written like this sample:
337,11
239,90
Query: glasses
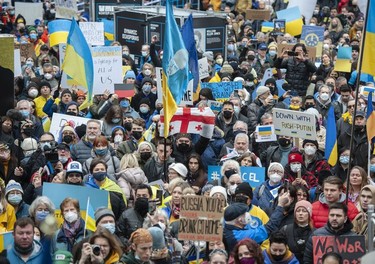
276,171
74,175
350,106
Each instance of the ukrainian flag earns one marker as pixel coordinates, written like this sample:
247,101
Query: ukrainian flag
6,240
58,31
368,64
331,138
78,63
370,116
267,26
187,32
175,67
293,20
109,30
90,217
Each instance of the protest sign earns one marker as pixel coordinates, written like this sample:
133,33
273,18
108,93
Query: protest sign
30,11
17,63
350,248
311,51
107,68
124,89
253,175
313,36
344,59
59,120
6,240
6,73
93,32
66,9
265,133
58,192
365,90
256,14
279,26
215,105
200,218
26,50
203,68
222,90
294,124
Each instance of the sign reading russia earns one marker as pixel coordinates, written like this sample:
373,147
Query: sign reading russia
294,124
200,218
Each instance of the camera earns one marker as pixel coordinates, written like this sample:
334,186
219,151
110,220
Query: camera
292,53
50,152
95,250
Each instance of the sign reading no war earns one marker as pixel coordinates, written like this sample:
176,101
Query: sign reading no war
253,175
294,124
222,90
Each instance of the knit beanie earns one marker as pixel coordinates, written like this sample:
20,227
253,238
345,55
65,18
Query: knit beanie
307,205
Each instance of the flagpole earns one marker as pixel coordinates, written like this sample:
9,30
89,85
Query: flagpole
86,218
359,71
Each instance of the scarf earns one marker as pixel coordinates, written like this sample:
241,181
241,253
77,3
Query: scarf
70,231
347,117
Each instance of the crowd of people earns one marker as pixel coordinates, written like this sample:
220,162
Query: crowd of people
121,150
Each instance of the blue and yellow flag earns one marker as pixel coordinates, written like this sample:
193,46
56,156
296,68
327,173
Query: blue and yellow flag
90,217
331,138
368,64
109,29
293,19
175,67
187,32
78,63
370,116
58,31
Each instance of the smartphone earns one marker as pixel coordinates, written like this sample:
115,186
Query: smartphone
291,53
159,196
235,93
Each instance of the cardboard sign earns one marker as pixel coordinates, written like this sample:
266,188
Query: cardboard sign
254,14
311,51
107,68
30,11
253,175
59,120
200,218
58,192
294,124
203,68
66,9
26,50
265,133
350,248
222,90
93,32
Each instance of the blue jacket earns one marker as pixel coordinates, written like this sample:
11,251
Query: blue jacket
289,258
36,257
23,210
263,196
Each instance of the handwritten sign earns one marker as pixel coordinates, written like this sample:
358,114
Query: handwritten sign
66,9
59,120
253,175
215,105
311,51
203,68
200,218
265,133
350,248
26,50
254,14
222,90
107,68
294,123
93,32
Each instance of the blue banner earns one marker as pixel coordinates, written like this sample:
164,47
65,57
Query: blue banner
222,90
253,175
312,35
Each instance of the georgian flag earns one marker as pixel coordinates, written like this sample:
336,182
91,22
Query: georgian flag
190,120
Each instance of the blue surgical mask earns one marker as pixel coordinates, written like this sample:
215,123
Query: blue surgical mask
101,152
143,109
41,215
29,63
344,160
33,36
110,227
372,168
25,113
146,88
14,199
272,52
116,120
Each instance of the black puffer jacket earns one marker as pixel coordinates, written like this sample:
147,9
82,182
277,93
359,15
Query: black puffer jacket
297,73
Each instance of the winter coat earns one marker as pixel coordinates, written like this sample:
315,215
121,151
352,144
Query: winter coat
112,162
130,259
81,151
289,258
320,210
130,220
154,170
36,257
253,113
275,154
323,110
317,165
198,148
297,73
129,178
23,210
291,176
326,231
61,242
263,197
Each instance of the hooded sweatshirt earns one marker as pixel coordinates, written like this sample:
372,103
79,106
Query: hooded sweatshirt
360,224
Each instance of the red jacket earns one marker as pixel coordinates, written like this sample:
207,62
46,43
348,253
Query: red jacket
320,211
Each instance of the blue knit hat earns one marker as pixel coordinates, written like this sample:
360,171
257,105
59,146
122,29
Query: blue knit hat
13,185
129,74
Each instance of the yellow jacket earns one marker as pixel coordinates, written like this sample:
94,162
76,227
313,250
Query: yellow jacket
7,219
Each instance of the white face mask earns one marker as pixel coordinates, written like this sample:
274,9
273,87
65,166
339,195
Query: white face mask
144,53
37,238
324,96
232,189
275,178
118,139
237,109
71,217
147,72
326,46
33,93
247,218
295,167
310,150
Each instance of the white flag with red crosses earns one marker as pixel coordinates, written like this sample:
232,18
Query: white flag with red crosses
191,120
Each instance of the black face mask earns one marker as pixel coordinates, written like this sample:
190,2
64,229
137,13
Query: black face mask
284,142
358,128
145,155
278,257
137,134
28,131
183,147
68,139
141,206
307,106
227,114
158,109
229,173
128,126
240,199
71,113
